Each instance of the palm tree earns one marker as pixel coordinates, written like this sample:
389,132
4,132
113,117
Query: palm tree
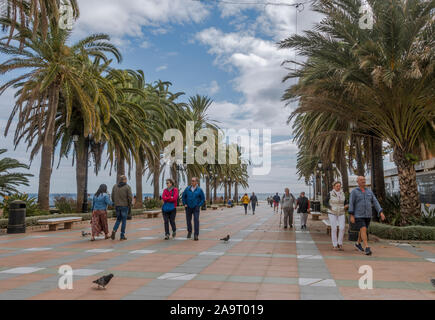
55,70
9,181
360,74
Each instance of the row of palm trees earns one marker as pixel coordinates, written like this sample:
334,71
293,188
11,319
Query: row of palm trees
359,88
69,97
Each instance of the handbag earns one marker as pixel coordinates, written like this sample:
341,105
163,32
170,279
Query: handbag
168,206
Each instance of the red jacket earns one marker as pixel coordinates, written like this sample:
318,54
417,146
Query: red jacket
170,196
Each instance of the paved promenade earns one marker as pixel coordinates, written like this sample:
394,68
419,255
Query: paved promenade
260,261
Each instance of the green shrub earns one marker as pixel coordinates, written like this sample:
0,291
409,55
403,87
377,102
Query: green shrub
152,203
391,207
32,207
65,205
386,231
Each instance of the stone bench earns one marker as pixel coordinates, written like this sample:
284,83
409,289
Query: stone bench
152,214
53,223
214,207
315,216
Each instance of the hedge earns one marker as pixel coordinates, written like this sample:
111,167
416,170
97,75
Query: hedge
33,221
386,231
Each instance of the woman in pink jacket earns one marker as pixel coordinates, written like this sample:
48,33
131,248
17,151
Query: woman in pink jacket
169,210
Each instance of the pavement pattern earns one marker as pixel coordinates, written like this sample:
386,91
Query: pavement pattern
261,262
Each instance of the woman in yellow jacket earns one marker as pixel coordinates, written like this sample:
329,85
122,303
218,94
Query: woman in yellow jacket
245,201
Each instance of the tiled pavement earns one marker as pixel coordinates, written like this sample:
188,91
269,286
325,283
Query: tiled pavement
260,261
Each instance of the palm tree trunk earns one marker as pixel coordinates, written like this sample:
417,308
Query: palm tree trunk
215,190
236,192
344,173
359,160
225,191
156,180
378,179
409,197
47,151
229,190
120,165
80,147
207,189
139,189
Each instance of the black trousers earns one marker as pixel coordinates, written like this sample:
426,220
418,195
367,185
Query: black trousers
169,218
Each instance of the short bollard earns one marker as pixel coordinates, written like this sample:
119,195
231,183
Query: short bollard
17,217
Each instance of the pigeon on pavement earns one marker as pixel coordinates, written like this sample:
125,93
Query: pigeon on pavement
103,281
85,234
433,282
226,238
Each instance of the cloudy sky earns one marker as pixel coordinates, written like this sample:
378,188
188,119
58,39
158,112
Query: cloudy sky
226,51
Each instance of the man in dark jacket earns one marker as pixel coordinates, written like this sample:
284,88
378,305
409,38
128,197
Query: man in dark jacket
122,198
303,205
193,200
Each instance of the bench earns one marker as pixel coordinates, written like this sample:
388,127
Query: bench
152,214
316,216
214,207
53,223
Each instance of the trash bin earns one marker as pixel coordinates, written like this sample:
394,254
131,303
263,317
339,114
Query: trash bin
353,232
315,206
17,217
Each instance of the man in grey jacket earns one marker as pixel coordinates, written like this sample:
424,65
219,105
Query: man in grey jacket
360,210
122,198
288,203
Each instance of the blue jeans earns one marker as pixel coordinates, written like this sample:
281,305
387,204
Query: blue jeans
195,213
121,217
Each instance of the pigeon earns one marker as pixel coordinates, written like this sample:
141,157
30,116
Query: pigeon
85,234
103,281
433,282
226,238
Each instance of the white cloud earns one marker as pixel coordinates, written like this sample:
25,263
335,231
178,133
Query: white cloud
162,68
127,18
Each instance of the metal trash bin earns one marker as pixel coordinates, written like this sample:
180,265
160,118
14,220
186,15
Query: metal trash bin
17,217
315,206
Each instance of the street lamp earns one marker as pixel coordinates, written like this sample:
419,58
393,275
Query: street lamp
320,166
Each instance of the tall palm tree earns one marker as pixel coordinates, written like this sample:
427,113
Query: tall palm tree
53,69
9,181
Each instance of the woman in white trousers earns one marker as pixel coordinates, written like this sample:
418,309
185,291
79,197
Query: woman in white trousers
337,205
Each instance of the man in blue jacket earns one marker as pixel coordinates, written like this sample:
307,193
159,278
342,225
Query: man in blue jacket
193,200
360,210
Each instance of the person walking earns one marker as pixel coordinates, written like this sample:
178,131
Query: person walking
122,198
245,200
337,204
303,205
288,203
100,202
193,200
360,209
276,201
169,209
254,202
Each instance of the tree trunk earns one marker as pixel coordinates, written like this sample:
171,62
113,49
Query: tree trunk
139,189
229,190
156,180
344,173
47,151
236,192
378,179
360,171
120,165
225,191
215,190
409,197
80,148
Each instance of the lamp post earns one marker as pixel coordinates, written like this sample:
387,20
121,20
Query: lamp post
320,166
